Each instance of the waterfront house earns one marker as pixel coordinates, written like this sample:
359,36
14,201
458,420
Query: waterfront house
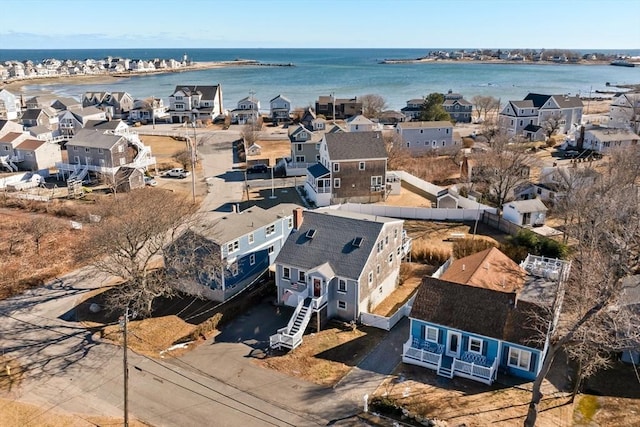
247,111
342,107
419,137
195,103
9,105
233,251
391,117
601,139
352,168
64,103
115,104
537,109
336,264
280,109
35,102
528,213
475,321
413,109
625,112
34,155
459,109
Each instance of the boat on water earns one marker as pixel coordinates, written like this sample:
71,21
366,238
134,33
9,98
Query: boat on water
622,63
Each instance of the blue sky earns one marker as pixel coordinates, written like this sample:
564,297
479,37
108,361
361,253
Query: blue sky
566,24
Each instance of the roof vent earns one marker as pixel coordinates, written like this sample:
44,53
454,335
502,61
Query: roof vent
357,242
311,233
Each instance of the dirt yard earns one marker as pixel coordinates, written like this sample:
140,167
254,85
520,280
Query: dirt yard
464,402
270,152
326,356
411,274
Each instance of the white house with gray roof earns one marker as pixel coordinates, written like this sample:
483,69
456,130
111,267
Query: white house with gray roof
603,139
241,247
190,103
336,264
536,109
352,168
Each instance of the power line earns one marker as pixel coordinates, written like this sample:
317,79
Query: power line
207,375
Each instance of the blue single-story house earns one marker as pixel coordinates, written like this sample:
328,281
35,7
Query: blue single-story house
481,324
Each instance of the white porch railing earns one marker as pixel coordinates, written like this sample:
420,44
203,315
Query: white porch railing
318,302
420,357
284,337
474,371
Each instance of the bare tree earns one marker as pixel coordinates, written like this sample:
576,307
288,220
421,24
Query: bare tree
596,320
552,124
373,105
491,130
183,157
129,240
251,133
503,169
38,227
485,105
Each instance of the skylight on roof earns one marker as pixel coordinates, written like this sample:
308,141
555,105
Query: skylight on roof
311,233
357,242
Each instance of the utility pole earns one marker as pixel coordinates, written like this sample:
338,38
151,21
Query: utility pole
153,110
126,368
194,155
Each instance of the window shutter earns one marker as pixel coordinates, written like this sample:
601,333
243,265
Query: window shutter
423,332
533,363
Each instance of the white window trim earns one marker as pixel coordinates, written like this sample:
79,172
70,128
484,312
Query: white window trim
361,166
336,182
519,353
475,340
342,291
343,304
370,277
233,246
286,273
426,334
252,259
336,167
251,238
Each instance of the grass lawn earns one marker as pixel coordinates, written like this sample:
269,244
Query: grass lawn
327,356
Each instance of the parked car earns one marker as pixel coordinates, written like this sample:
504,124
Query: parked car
150,181
177,173
259,168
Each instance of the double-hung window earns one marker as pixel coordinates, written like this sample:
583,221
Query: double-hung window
519,358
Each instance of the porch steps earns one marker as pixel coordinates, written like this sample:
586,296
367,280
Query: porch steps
299,322
445,372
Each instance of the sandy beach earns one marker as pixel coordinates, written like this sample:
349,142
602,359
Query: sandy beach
85,79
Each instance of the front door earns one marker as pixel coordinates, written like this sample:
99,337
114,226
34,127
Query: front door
317,288
454,341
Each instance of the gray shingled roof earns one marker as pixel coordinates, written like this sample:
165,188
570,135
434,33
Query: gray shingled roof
235,225
331,244
355,145
429,124
103,124
94,139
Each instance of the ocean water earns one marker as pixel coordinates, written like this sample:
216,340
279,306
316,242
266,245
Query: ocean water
344,72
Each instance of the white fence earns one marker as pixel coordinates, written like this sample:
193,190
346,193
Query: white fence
440,271
423,185
435,214
387,323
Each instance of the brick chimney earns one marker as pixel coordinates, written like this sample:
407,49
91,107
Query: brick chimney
297,218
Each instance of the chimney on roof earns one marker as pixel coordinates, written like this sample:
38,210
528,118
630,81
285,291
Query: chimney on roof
297,218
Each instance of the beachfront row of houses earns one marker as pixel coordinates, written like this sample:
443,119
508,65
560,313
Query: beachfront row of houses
52,67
